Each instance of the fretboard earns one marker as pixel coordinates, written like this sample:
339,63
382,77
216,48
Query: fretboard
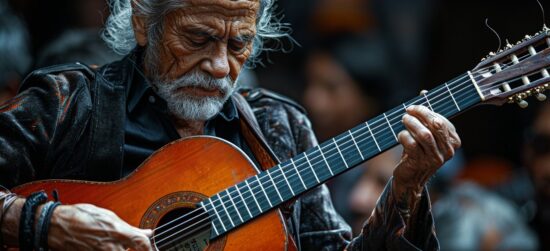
265,191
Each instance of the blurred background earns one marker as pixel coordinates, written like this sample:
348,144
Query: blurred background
354,59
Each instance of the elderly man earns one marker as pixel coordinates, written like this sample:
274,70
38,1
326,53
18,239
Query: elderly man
184,57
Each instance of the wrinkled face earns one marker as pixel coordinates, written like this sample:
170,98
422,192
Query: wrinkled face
203,48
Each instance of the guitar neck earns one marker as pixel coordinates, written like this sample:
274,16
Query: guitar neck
265,191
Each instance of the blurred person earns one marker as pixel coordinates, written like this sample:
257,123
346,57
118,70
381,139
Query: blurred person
178,80
15,58
470,217
537,161
84,46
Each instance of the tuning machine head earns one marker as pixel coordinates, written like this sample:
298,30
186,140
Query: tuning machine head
537,92
523,104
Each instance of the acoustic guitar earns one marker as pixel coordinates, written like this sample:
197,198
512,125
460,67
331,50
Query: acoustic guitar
203,193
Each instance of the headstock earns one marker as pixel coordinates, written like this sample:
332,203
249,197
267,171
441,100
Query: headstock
515,72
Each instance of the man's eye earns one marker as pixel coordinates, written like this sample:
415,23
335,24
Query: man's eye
198,42
237,46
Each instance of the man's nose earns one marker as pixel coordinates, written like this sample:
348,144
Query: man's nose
217,63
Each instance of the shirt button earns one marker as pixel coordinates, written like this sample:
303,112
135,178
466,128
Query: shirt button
152,99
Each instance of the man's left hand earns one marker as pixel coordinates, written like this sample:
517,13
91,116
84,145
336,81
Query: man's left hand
428,141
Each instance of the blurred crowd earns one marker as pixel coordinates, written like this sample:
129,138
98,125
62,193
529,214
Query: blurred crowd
351,60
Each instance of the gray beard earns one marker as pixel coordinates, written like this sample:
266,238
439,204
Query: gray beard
189,107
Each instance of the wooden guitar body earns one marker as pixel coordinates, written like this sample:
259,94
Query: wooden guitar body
178,176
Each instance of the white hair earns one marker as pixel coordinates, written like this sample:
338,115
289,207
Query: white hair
119,34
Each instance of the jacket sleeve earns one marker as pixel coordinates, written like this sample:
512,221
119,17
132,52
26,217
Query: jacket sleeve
47,106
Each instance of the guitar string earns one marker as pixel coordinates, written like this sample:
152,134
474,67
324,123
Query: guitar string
282,167
268,186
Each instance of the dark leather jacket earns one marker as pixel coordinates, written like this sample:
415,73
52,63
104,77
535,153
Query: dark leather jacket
68,122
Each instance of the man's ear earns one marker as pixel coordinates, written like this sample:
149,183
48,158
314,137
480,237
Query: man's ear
140,29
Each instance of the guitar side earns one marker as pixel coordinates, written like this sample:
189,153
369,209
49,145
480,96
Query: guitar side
178,175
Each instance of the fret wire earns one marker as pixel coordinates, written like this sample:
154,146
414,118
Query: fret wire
284,176
449,90
395,136
244,201
325,159
225,209
372,135
338,148
218,215
253,195
213,222
355,143
428,101
312,170
234,205
262,187
298,173
274,186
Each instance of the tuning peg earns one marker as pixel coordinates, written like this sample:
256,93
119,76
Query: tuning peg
491,54
540,97
527,37
523,104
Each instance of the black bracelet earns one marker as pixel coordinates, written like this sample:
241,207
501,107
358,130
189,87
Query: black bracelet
40,224
46,226
26,222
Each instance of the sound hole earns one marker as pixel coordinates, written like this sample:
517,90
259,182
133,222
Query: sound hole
186,229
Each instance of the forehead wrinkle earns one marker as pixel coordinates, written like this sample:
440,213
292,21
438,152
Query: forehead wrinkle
184,20
219,12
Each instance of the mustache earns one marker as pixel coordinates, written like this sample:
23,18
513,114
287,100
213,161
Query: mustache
200,79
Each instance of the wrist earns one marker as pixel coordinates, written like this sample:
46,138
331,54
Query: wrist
10,223
402,185
406,195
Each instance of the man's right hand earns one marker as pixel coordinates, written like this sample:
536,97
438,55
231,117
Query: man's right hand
87,227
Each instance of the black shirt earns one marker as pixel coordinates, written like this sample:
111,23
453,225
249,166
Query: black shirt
148,125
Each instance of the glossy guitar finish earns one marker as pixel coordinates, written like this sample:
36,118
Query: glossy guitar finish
185,169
